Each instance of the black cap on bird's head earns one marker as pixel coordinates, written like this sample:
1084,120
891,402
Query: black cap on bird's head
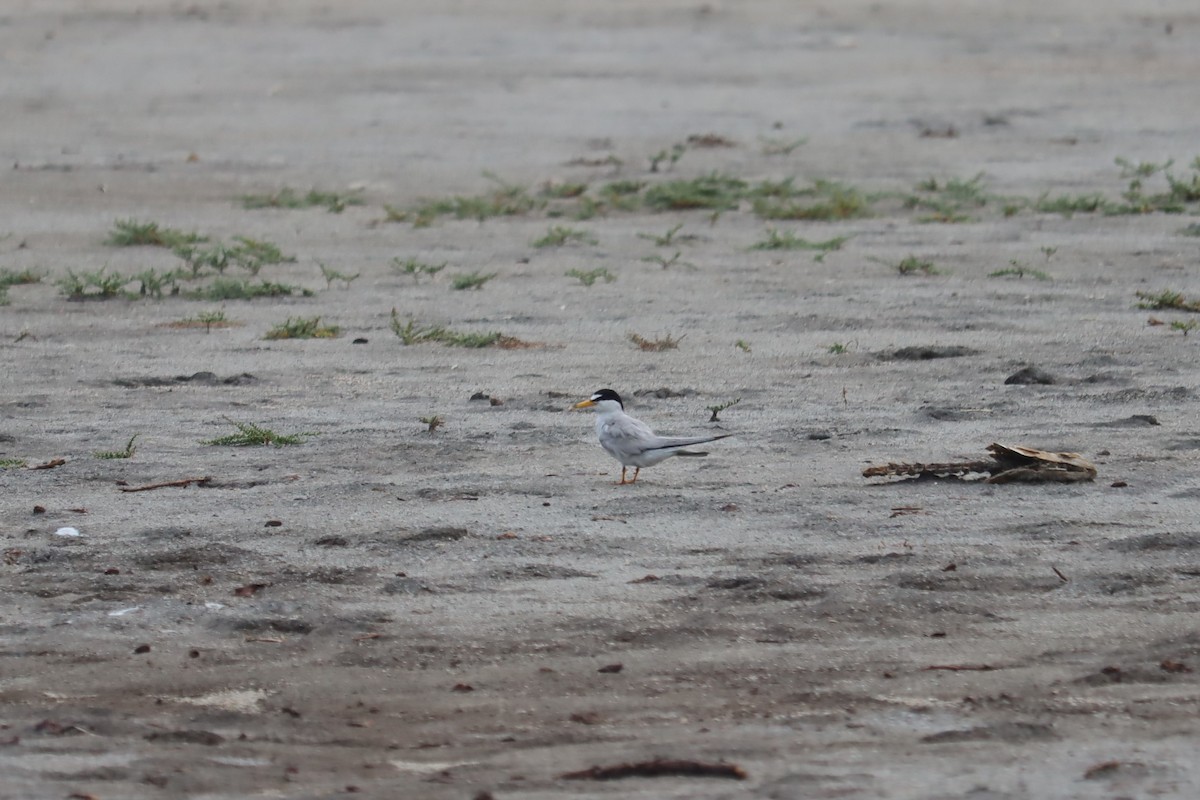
599,396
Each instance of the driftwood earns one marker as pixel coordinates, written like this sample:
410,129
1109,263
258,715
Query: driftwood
1008,464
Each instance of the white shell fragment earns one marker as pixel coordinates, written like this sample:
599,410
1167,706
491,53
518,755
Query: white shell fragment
67,532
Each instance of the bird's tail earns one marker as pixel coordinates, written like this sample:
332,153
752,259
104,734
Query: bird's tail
693,453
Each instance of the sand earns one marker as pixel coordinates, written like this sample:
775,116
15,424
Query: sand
395,612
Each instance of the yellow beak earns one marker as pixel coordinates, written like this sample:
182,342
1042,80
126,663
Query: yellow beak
584,404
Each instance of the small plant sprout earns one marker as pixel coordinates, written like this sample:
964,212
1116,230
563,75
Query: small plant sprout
786,240
302,328
563,191
471,280
713,192
237,289
126,453
132,233
416,268
10,278
208,319
1190,230
250,435
78,287
743,345
911,265
838,348
717,409
671,156
504,201
1019,270
667,342
12,463
669,238
411,333
560,235
151,283
1185,327
591,276
408,333
249,254
330,274
1167,300
782,147
432,423
668,262
334,202
1048,252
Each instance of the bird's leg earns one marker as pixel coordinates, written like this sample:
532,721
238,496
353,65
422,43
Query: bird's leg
622,481
636,470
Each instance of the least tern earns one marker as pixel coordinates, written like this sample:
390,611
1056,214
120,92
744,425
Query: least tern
631,441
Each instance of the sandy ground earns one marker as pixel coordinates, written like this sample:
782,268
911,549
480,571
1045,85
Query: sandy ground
428,614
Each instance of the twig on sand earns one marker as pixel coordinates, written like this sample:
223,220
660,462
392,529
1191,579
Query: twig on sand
149,486
962,667
658,768
57,462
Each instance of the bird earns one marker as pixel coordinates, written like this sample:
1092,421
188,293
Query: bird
631,441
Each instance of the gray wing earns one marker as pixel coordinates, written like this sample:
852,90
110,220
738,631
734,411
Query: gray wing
624,436
629,437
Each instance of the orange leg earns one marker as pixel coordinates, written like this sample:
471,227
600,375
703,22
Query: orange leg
622,481
636,470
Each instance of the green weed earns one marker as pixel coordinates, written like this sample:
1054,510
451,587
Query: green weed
411,332
240,289
782,147
667,262
94,285
333,202
131,233
302,328
249,254
1019,270
786,240
559,236
330,274
1068,205
207,319
743,345
950,200
250,435
471,280
151,283
12,463
717,409
506,200
563,191
591,276
25,276
825,200
432,422
113,454
671,156
911,265
669,238
1167,300
416,268
667,342
9,278
1186,327
714,191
